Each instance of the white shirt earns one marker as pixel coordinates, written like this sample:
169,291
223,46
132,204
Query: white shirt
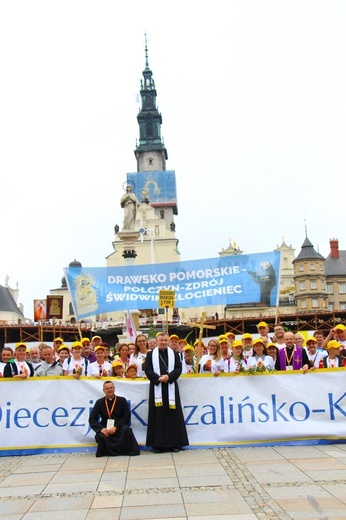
187,369
236,364
332,363
266,361
316,357
215,364
2,368
139,361
71,364
105,369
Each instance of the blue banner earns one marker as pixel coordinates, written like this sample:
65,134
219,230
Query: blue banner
228,280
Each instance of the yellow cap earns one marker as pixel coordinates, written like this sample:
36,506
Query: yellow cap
333,344
20,344
196,343
340,327
62,347
311,338
262,324
246,336
258,340
76,344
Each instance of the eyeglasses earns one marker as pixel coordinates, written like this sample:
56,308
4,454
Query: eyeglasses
141,340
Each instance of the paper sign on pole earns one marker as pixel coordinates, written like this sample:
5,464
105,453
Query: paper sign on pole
167,299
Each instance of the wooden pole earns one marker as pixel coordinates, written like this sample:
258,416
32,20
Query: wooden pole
166,315
201,325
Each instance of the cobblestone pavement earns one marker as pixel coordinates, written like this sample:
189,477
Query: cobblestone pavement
282,482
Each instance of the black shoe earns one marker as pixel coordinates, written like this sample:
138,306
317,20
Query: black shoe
175,450
156,450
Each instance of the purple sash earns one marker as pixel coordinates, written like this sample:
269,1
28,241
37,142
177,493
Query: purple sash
297,358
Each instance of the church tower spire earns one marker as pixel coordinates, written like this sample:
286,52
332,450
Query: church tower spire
150,152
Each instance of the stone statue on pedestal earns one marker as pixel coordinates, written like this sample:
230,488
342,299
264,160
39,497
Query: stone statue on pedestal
130,203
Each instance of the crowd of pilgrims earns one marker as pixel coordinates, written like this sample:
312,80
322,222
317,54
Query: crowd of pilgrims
269,351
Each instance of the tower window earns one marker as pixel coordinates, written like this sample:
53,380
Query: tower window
162,213
149,129
150,162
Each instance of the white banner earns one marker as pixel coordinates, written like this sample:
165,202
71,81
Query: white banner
42,414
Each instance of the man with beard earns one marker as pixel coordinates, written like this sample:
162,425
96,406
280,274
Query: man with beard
279,336
113,433
166,427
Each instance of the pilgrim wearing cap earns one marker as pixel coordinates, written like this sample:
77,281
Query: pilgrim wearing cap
174,341
131,371
18,368
247,345
338,333
56,344
273,351
100,367
237,362
260,357
230,336
88,353
95,340
225,352
315,356
63,353
333,358
110,419
76,365
118,369
189,362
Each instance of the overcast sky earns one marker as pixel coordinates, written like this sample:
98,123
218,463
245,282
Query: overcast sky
252,95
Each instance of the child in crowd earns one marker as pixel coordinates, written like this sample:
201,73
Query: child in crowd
131,372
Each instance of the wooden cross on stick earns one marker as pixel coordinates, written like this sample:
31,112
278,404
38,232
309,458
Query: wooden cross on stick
201,325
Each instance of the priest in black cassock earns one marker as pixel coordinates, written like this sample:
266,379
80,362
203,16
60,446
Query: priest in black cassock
166,426
110,419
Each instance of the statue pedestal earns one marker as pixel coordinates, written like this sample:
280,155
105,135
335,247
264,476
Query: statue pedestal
129,238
